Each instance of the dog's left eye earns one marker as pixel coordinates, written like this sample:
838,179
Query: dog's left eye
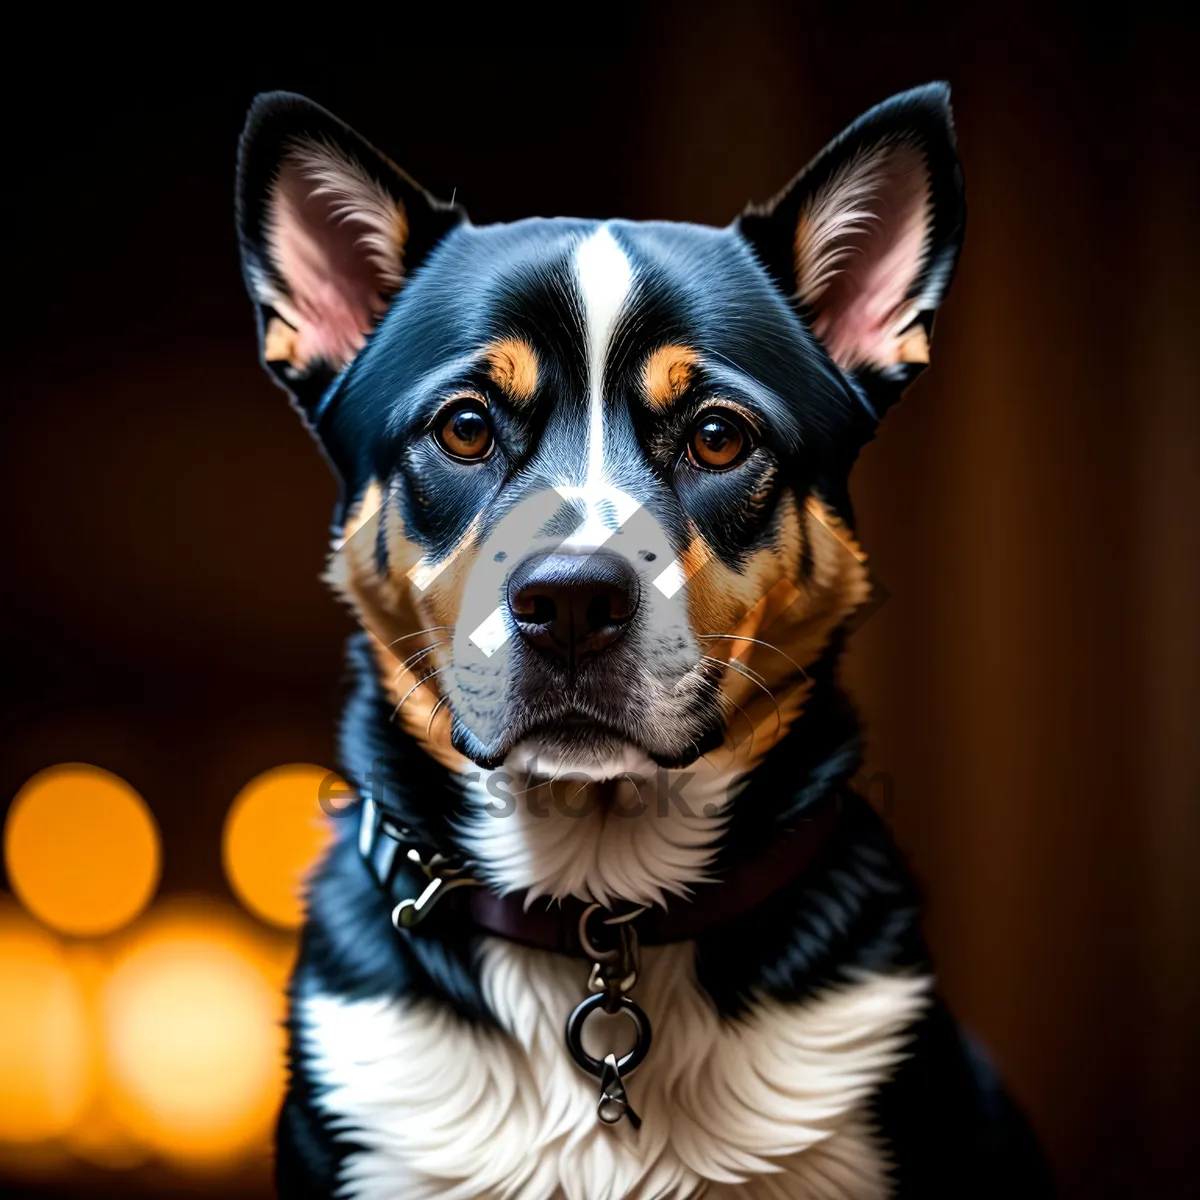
719,440
464,429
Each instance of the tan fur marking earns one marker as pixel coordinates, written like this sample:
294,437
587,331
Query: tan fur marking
858,247
281,343
815,510
393,611
442,598
914,347
317,191
367,507
770,601
513,366
413,686
667,374
695,556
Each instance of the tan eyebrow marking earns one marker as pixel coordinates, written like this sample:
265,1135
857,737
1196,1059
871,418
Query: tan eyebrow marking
513,366
667,374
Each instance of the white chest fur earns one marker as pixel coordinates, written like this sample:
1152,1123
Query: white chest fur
771,1105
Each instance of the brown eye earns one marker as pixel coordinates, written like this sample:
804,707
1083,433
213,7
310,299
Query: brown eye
718,441
464,430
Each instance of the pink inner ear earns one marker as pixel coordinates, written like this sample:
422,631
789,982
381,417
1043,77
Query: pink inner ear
873,244
330,243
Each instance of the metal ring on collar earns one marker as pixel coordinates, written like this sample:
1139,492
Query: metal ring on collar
628,1063
585,941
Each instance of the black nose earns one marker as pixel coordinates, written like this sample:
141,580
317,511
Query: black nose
573,605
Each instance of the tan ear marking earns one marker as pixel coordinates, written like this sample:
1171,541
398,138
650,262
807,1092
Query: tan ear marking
859,246
280,342
667,375
513,366
914,346
335,237
354,197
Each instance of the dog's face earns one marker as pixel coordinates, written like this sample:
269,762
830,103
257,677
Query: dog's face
593,472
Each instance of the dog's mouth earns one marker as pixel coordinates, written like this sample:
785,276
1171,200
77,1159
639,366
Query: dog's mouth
580,743
653,701
577,742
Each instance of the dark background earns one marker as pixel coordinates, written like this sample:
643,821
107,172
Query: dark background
1030,688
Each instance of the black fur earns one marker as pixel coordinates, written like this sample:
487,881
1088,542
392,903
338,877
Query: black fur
949,1126
946,1124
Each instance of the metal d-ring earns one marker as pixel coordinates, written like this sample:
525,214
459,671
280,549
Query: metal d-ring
623,919
627,1063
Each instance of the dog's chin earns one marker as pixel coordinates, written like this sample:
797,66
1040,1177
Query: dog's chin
578,750
579,746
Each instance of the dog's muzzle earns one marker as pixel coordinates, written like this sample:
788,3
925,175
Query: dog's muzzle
573,606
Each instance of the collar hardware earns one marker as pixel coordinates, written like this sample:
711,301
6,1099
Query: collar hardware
417,877
614,974
380,840
443,874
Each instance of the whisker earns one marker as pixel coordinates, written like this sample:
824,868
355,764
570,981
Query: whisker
541,781
759,677
737,637
423,679
633,780
769,695
737,669
716,687
430,629
749,725
533,787
429,727
413,658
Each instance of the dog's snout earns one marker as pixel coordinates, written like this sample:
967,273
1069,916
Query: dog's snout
573,605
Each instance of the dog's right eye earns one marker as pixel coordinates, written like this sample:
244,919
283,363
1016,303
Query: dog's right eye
464,430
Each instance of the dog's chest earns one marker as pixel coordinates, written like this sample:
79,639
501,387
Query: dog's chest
770,1105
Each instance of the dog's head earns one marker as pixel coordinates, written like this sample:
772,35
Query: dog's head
594,472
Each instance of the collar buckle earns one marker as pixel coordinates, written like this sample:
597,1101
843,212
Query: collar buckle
380,842
444,875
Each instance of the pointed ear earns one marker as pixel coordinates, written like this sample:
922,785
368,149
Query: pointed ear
329,228
866,238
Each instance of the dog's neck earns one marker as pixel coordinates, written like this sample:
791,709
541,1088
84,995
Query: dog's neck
517,828
855,907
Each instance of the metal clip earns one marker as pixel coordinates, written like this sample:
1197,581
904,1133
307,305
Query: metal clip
443,875
614,1102
614,972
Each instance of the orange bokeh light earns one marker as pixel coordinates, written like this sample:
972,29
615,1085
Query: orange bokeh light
100,1139
45,1060
97,1136
191,1018
274,833
82,849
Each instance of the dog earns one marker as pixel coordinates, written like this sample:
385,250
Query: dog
607,919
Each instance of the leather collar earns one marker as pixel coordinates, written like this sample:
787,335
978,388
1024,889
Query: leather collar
411,873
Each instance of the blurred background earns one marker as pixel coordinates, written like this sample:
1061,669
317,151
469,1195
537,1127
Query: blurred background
172,663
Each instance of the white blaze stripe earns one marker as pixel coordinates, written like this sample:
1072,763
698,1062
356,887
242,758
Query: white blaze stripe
597,526
605,279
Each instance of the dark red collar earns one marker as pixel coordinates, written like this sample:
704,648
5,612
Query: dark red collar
386,847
